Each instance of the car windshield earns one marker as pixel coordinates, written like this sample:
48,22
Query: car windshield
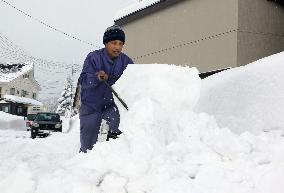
47,117
31,117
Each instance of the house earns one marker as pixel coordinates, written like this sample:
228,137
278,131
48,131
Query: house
18,88
203,33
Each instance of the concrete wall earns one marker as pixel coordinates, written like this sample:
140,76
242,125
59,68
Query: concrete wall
261,30
19,84
201,33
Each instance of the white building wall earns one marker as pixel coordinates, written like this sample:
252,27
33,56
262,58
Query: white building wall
23,82
207,34
200,33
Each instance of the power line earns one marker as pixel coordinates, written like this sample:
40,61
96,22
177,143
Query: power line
262,33
214,36
186,44
11,51
47,25
58,70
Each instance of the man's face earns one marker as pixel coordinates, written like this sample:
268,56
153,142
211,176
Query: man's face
114,48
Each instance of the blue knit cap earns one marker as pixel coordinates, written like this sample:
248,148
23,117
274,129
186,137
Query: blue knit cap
114,32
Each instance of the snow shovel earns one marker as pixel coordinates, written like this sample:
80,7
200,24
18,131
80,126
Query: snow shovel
115,93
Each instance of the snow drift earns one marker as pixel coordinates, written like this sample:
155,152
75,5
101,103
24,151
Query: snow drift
248,98
8,121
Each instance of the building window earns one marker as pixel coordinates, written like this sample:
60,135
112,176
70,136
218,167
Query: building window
24,93
5,109
26,76
34,95
0,92
12,91
20,110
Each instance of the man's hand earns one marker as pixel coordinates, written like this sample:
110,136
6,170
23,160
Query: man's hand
102,76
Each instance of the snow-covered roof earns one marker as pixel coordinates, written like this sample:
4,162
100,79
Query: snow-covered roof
23,100
133,8
8,76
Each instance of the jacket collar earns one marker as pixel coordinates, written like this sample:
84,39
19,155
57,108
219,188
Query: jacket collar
108,58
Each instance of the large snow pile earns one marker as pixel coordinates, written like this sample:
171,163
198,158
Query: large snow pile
248,98
8,121
166,146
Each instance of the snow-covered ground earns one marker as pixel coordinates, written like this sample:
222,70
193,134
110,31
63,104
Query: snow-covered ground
223,134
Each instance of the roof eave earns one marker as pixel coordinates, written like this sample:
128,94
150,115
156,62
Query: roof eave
14,78
146,11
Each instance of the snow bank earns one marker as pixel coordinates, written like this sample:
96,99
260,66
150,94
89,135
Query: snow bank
165,146
248,98
8,121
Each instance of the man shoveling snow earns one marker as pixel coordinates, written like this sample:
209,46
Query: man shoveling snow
102,68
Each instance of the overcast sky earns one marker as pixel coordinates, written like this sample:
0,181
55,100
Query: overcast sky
85,19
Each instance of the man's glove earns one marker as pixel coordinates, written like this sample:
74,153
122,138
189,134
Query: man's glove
102,76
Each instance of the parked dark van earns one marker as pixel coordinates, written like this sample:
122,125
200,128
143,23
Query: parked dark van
45,121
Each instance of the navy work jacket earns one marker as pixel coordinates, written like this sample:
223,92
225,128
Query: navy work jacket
95,95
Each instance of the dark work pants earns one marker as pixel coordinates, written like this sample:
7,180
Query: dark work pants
90,126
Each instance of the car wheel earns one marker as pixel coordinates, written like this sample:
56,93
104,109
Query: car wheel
33,133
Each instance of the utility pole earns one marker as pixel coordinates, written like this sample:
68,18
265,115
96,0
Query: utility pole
33,70
72,73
